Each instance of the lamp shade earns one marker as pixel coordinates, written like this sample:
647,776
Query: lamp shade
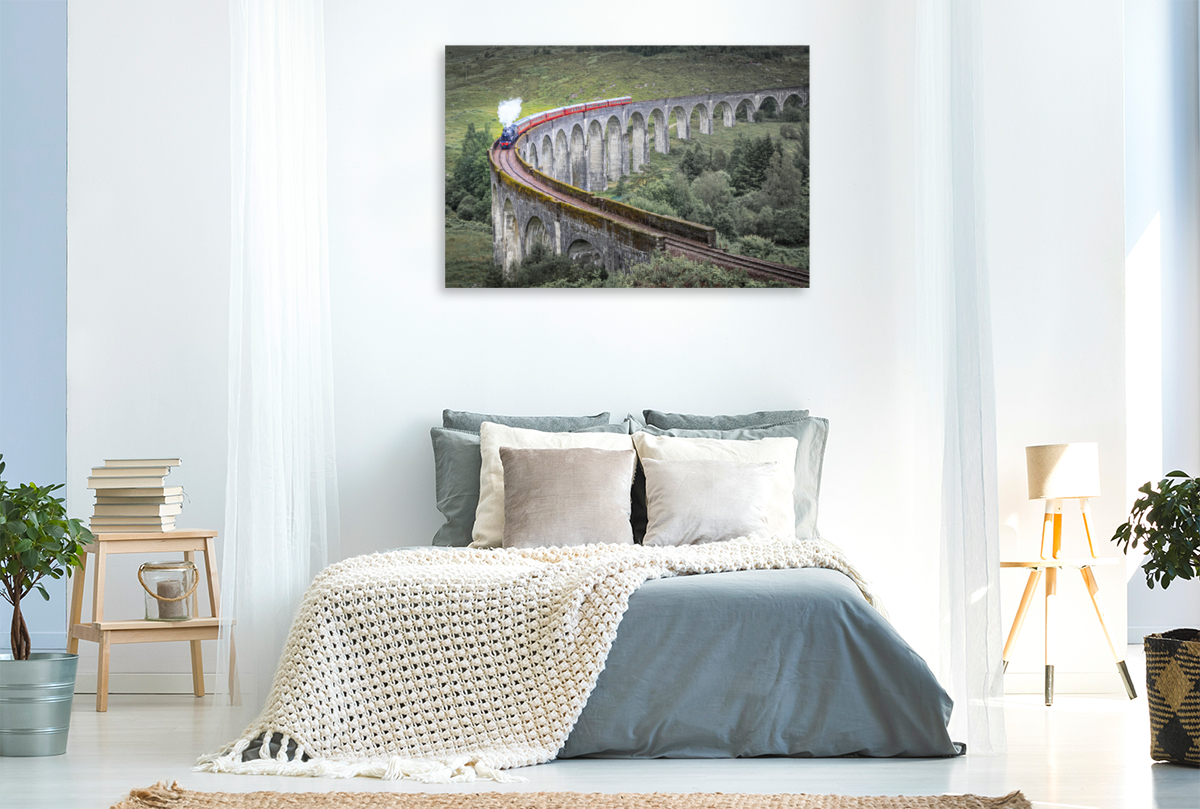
1063,470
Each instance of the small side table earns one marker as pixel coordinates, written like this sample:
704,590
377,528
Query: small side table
106,633
1051,567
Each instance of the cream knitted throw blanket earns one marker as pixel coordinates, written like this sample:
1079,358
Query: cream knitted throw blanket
447,666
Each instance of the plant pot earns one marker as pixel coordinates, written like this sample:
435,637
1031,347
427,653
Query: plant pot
1173,693
35,703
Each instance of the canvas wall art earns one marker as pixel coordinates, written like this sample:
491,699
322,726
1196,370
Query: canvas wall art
627,166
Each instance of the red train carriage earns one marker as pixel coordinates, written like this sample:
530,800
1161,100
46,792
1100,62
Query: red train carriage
515,130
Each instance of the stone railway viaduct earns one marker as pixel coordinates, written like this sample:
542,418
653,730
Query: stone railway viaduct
589,150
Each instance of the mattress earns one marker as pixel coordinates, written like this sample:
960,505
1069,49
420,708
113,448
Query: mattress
760,663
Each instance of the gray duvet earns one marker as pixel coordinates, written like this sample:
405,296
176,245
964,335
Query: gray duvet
760,663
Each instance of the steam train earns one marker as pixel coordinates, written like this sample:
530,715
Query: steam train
522,125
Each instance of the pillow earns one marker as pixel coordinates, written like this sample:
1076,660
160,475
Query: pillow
781,515
489,514
463,420
690,502
456,480
566,496
684,421
456,483
811,434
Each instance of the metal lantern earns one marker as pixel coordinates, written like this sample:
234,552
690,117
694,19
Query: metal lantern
169,587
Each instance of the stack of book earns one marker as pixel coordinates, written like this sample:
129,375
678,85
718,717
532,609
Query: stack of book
132,496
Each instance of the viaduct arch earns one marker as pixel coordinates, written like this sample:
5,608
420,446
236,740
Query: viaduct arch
587,151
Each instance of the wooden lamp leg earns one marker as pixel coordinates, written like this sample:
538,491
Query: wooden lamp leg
1051,605
1048,517
1085,511
1057,506
1035,576
1093,588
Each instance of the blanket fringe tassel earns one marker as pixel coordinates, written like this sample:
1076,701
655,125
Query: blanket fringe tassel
452,770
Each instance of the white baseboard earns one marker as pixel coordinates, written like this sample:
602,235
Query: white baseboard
144,683
1136,633
45,641
1066,682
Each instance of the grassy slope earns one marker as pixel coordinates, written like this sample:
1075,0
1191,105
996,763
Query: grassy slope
478,79
468,252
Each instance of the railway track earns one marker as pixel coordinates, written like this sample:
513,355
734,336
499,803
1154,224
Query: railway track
754,267
507,160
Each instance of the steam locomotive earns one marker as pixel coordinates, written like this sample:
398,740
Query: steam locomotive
522,125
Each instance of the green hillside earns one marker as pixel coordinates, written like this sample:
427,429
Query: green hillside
479,78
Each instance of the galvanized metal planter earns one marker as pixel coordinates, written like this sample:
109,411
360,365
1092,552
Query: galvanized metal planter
35,703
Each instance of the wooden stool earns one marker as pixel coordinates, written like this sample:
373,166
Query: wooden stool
106,633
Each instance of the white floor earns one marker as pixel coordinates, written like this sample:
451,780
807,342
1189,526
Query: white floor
1082,752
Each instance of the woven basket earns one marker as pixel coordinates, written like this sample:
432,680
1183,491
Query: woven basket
1173,692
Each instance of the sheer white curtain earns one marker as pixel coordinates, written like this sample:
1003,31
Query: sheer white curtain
281,508
957,426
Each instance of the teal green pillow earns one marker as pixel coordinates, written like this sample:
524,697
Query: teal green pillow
463,420
685,421
810,432
456,465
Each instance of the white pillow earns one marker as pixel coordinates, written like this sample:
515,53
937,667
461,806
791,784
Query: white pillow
489,514
691,502
781,515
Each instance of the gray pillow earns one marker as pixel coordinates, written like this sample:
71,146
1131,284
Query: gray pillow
456,464
564,497
684,421
811,433
463,420
694,501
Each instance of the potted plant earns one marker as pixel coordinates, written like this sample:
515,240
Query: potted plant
1166,522
36,688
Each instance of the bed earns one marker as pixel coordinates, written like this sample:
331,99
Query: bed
790,662
450,664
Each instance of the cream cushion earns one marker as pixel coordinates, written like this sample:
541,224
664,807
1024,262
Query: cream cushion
565,497
781,516
691,502
489,514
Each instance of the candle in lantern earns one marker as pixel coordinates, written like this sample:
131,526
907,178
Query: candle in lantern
171,610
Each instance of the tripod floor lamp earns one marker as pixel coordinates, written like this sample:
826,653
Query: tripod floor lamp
1059,472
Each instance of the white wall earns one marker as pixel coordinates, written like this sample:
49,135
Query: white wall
405,347
1162,241
150,193
148,269
1055,207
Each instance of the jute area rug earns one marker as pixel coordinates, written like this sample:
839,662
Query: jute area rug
162,796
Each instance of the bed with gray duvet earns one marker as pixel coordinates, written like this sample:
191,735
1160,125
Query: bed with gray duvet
788,662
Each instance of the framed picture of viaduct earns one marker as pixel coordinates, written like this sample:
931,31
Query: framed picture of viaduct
627,166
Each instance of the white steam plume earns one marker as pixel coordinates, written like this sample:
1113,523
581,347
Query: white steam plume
509,111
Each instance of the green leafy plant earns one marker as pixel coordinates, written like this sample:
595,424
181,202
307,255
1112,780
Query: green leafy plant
1166,521
36,540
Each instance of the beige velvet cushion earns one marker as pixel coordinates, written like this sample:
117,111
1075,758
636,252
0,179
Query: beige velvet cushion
689,502
781,514
488,531
566,496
